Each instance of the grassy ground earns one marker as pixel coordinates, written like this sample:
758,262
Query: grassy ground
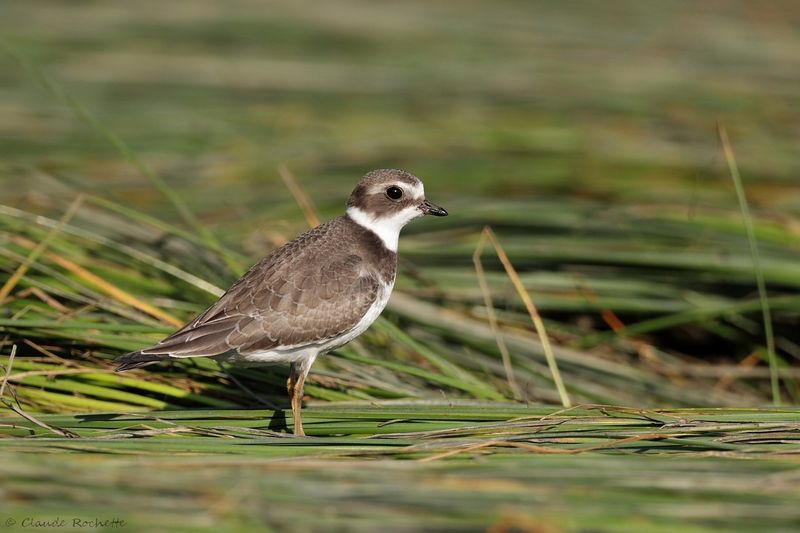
465,467
140,149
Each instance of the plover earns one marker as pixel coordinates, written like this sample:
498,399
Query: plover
311,295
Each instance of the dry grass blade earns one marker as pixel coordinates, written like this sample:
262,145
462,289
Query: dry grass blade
300,196
20,412
488,234
7,370
492,316
729,376
11,282
106,287
545,450
53,429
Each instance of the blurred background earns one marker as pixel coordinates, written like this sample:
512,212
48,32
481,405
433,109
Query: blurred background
584,134
151,151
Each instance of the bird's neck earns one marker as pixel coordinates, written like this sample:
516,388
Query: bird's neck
387,228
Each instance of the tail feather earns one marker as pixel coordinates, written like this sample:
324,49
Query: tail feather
138,359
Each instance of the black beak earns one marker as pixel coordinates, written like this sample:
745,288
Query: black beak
432,209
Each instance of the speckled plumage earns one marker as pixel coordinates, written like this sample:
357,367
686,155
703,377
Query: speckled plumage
309,296
306,292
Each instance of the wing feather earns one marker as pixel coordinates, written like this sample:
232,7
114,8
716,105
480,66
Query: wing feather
303,293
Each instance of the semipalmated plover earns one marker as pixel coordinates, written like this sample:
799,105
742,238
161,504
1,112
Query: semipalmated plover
312,294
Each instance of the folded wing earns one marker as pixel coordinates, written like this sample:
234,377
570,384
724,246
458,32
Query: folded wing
301,294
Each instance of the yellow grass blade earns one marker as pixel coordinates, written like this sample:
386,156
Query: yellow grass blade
488,234
300,196
487,299
18,274
103,285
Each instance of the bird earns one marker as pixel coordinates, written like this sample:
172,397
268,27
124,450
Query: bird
309,296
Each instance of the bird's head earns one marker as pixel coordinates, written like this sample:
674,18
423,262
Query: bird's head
385,200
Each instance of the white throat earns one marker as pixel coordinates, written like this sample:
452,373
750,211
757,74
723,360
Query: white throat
386,228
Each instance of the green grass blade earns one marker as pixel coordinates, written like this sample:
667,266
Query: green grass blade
759,273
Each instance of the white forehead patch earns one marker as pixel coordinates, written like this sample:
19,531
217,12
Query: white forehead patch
387,228
417,190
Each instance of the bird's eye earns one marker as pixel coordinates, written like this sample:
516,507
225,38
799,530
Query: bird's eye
394,193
